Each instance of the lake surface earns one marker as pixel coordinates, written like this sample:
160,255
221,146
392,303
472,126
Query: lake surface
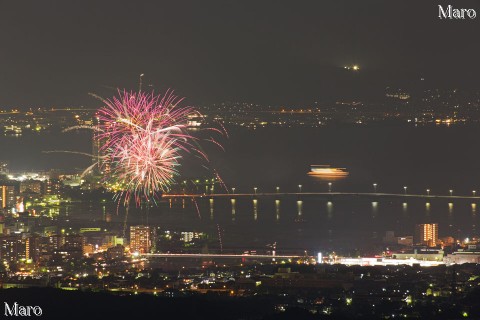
437,158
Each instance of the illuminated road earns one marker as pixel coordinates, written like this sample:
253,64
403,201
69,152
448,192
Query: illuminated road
323,194
212,255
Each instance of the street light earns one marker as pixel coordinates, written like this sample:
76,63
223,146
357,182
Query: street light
299,188
451,192
278,189
233,190
474,192
329,187
255,189
428,192
405,189
375,188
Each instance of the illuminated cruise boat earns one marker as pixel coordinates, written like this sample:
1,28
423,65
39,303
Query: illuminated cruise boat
327,172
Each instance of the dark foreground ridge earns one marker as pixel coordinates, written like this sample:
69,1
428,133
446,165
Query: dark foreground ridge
61,304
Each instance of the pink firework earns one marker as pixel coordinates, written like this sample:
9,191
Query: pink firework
142,138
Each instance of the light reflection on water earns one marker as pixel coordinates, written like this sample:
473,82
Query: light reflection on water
299,208
277,210
211,208
233,203
374,209
309,222
329,210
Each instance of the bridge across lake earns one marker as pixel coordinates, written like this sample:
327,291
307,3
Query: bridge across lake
317,194
222,255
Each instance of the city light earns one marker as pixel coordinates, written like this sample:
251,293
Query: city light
353,67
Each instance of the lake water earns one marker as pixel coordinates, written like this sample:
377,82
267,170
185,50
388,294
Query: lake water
437,158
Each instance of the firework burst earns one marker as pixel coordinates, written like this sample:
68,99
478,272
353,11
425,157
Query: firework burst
142,138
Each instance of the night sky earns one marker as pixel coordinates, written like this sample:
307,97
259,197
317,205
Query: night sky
53,52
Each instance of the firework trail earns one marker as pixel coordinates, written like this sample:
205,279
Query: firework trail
198,209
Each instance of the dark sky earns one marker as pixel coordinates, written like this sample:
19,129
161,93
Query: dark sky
53,52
